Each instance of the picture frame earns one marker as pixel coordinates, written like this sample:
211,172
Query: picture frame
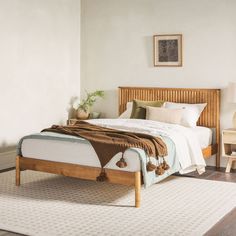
168,50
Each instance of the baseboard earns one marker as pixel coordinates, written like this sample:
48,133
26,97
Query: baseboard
7,159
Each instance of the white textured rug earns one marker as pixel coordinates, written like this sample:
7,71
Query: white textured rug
48,204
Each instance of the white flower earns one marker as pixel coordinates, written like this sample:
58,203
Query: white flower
76,103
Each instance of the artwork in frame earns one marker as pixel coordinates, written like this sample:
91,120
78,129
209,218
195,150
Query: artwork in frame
168,50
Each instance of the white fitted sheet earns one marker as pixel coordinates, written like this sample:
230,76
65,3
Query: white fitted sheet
204,135
83,154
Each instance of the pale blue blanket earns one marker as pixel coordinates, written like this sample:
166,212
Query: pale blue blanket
148,177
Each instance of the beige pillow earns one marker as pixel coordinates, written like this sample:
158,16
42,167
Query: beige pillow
162,114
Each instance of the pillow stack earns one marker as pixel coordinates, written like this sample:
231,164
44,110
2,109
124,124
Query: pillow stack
169,112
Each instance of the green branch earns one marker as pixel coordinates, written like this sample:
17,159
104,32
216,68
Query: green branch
90,99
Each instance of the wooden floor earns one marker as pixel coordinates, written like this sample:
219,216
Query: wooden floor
226,227
213,173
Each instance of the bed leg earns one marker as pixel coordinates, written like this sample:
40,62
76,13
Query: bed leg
137,189
218,159
18,171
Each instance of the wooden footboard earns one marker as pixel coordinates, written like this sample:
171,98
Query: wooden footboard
82,172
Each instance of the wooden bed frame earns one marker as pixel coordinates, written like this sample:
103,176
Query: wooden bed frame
210,117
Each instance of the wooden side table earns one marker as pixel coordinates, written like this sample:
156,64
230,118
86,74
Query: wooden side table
229,146
72,121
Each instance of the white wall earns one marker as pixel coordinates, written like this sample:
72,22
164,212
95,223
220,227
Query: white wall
39,64
117,46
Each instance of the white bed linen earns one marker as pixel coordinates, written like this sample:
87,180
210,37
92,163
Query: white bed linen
204,135
84,154
187,147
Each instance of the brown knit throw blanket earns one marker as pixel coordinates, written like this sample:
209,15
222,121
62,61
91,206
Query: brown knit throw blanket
108,142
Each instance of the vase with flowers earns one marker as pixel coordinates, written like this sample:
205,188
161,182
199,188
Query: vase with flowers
83,107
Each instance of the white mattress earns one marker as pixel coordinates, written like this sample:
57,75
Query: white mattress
75,153
84,154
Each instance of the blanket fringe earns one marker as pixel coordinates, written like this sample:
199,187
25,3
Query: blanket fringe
160,170
121,163
150,166
102,177
164,165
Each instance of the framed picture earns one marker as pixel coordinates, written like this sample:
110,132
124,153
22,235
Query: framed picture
168,50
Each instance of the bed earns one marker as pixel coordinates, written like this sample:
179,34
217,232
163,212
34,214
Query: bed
58,157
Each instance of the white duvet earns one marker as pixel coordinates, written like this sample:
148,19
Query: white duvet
188,150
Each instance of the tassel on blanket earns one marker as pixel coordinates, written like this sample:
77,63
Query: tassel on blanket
102,177
164,165
160,170
121,163
150,166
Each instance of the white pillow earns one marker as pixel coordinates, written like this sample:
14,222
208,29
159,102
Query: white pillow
162,114
127,113
191,112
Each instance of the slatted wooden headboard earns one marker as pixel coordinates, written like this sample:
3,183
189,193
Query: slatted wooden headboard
210,117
